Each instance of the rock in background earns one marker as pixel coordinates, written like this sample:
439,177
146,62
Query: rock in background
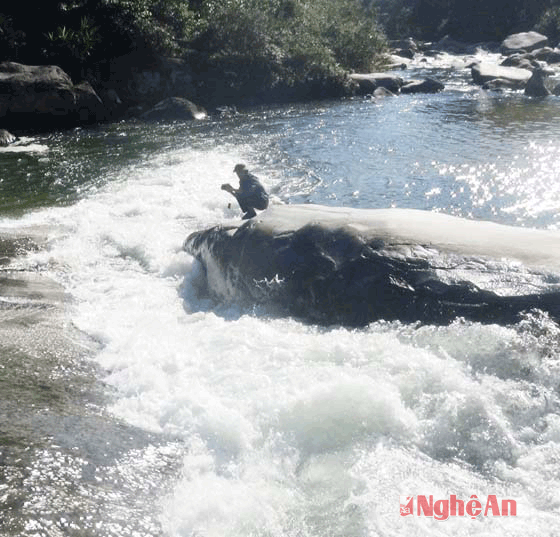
44,98
6,138
175,108
524,41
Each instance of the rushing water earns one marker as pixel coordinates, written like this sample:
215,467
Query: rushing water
130,406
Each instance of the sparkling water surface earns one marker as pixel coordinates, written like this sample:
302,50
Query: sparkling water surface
134,407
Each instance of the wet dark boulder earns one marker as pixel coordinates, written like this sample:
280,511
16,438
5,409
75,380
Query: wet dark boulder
522,61
6,138
89,108
44,97
369,82
536,85
547,54
335,265
532,60
404,47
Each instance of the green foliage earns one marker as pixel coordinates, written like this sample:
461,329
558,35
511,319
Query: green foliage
289,43
12,39
327,32
396,17
78,43
158,24
549,23
83,30
246,46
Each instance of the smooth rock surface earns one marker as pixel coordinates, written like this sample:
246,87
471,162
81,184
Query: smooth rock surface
484,72
527,41
353,266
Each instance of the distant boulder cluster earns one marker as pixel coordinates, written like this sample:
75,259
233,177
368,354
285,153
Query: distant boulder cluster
531,52
530,62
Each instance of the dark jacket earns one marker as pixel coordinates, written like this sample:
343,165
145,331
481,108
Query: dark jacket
251,194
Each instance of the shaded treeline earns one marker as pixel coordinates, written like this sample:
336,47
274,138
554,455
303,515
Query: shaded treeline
469,21
270,44
258,49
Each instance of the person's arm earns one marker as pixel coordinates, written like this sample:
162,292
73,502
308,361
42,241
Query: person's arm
228,188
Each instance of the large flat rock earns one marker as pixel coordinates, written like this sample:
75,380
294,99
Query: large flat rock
527,41
353,266
484,72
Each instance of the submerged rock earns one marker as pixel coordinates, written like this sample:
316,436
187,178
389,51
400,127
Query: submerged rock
175,108
429,85
379,93
498,84
352,266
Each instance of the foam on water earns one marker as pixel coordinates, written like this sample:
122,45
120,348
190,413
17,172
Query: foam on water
25,144
291,429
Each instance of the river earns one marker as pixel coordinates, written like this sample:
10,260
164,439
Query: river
132,406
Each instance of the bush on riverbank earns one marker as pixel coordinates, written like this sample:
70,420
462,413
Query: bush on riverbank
286,46
237,47
77,34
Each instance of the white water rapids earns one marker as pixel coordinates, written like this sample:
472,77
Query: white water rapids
230,422
290,429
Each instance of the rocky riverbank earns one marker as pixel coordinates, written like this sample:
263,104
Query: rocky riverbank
45,98
522,62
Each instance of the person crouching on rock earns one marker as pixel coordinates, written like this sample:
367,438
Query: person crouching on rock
250,195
